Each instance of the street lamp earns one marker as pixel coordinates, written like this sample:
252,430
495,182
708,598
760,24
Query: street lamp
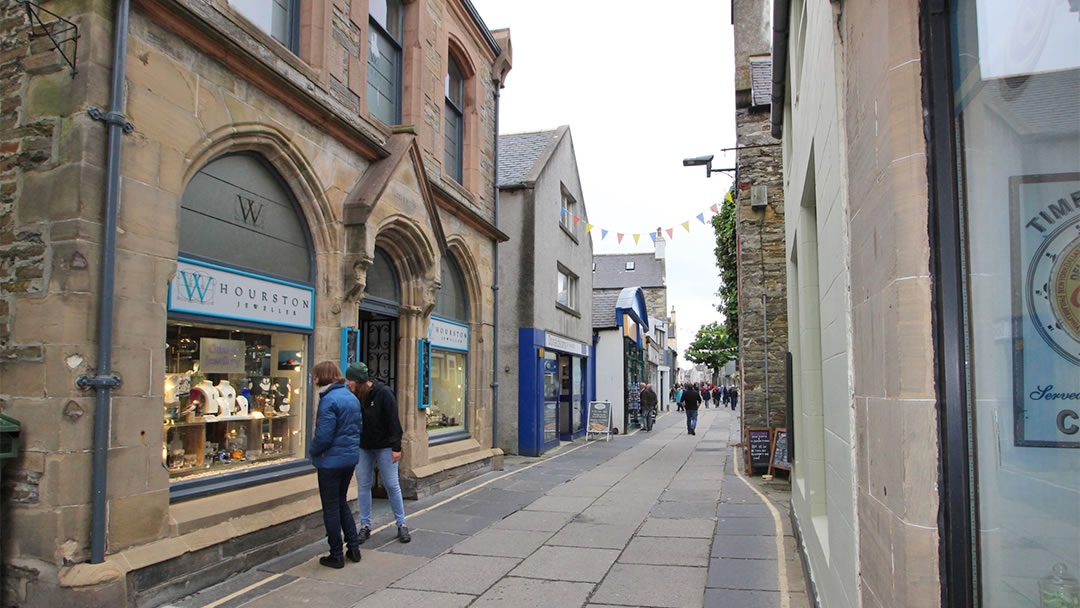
704,160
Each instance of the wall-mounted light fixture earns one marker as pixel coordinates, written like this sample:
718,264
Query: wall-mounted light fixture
704,160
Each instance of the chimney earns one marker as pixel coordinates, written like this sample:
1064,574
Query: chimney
661,244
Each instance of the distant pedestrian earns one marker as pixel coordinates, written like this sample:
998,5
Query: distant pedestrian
648,406
335,450
690,400
678,398
734,398
380,445
716,397
705,395
725,395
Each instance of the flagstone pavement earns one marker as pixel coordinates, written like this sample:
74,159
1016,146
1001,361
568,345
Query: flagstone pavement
658,519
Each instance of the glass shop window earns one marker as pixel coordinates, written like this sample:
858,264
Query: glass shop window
234,398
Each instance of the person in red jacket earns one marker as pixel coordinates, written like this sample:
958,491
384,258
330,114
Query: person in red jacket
380,443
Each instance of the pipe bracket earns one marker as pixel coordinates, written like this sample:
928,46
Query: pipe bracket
112,118
85,382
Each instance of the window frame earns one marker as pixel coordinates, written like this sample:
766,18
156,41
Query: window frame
572,300
292,17
630,266
566,220
399,60
450,106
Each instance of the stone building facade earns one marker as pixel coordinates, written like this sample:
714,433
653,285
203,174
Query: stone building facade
759,202
934,168
615,271
259,156
545,287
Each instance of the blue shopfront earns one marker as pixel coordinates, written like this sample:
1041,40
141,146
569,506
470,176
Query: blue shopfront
553,390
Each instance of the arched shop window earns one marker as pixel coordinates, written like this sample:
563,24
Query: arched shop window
449,334
241,314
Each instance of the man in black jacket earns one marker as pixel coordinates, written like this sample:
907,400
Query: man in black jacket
380,443
690,400
648,406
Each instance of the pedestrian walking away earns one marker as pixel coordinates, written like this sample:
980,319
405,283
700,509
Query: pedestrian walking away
705,395
334,451
734,396
648,406
380,445
690,400
678,399
725,395
716,397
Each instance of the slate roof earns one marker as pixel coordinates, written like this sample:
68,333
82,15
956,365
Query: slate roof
603,309
518,154
611,271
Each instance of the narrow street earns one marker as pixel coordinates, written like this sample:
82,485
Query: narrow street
648,519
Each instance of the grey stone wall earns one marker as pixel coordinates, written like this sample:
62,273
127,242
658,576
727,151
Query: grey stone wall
762,268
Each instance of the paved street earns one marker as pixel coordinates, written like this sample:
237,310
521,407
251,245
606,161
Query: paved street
649,519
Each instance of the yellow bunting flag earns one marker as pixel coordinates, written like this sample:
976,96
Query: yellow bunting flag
588,228
636,237
727,197
686,225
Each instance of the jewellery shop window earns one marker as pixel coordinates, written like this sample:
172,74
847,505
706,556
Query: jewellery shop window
234,398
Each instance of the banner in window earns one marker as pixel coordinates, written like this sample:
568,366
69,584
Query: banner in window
1046,309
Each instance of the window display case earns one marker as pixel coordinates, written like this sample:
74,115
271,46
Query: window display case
233,398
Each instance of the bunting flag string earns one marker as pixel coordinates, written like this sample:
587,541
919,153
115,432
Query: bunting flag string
653,235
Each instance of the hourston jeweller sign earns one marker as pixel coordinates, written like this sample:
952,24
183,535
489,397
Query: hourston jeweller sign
213,291
1046,309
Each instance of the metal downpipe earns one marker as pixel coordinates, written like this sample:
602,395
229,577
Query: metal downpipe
495,289
104,382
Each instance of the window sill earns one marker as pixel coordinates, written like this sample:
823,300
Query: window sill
569,233
568,310
448,438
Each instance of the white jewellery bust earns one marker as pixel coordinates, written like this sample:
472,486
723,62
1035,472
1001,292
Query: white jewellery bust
226,398
209,402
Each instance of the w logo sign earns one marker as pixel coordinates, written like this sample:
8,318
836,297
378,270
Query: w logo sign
196,287
249,211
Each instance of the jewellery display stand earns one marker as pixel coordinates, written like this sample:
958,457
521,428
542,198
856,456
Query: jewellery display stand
217,421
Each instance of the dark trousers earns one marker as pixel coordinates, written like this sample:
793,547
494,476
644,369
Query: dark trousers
649,416
333,488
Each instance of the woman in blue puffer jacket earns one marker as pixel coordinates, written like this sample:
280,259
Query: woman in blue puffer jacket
335,451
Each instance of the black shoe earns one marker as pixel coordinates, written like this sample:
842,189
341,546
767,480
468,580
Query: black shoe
353,554
332,562
403,534
692,432
365,533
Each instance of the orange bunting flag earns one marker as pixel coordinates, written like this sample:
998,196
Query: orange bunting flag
576,220
588,228
714,209
636,237
686,225
669,233
620,235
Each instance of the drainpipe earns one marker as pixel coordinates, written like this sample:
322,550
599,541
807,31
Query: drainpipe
105,380
495,288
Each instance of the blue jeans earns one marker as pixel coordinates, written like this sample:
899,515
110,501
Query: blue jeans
365,476
337,517
691,420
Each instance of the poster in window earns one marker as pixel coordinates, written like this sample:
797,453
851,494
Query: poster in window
1046,309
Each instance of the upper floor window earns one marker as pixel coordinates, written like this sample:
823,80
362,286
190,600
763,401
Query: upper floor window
279,18
384,60
629,266
569,210
567,289
454,131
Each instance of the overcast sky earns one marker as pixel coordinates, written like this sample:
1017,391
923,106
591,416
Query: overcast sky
642,86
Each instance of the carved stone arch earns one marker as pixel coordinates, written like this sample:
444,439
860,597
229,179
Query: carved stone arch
456,49
275,147
459,250
415,259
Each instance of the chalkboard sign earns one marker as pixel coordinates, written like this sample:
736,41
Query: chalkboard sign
780,458
758,448
599,419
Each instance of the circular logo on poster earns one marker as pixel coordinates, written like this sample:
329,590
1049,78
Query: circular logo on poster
1053,291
